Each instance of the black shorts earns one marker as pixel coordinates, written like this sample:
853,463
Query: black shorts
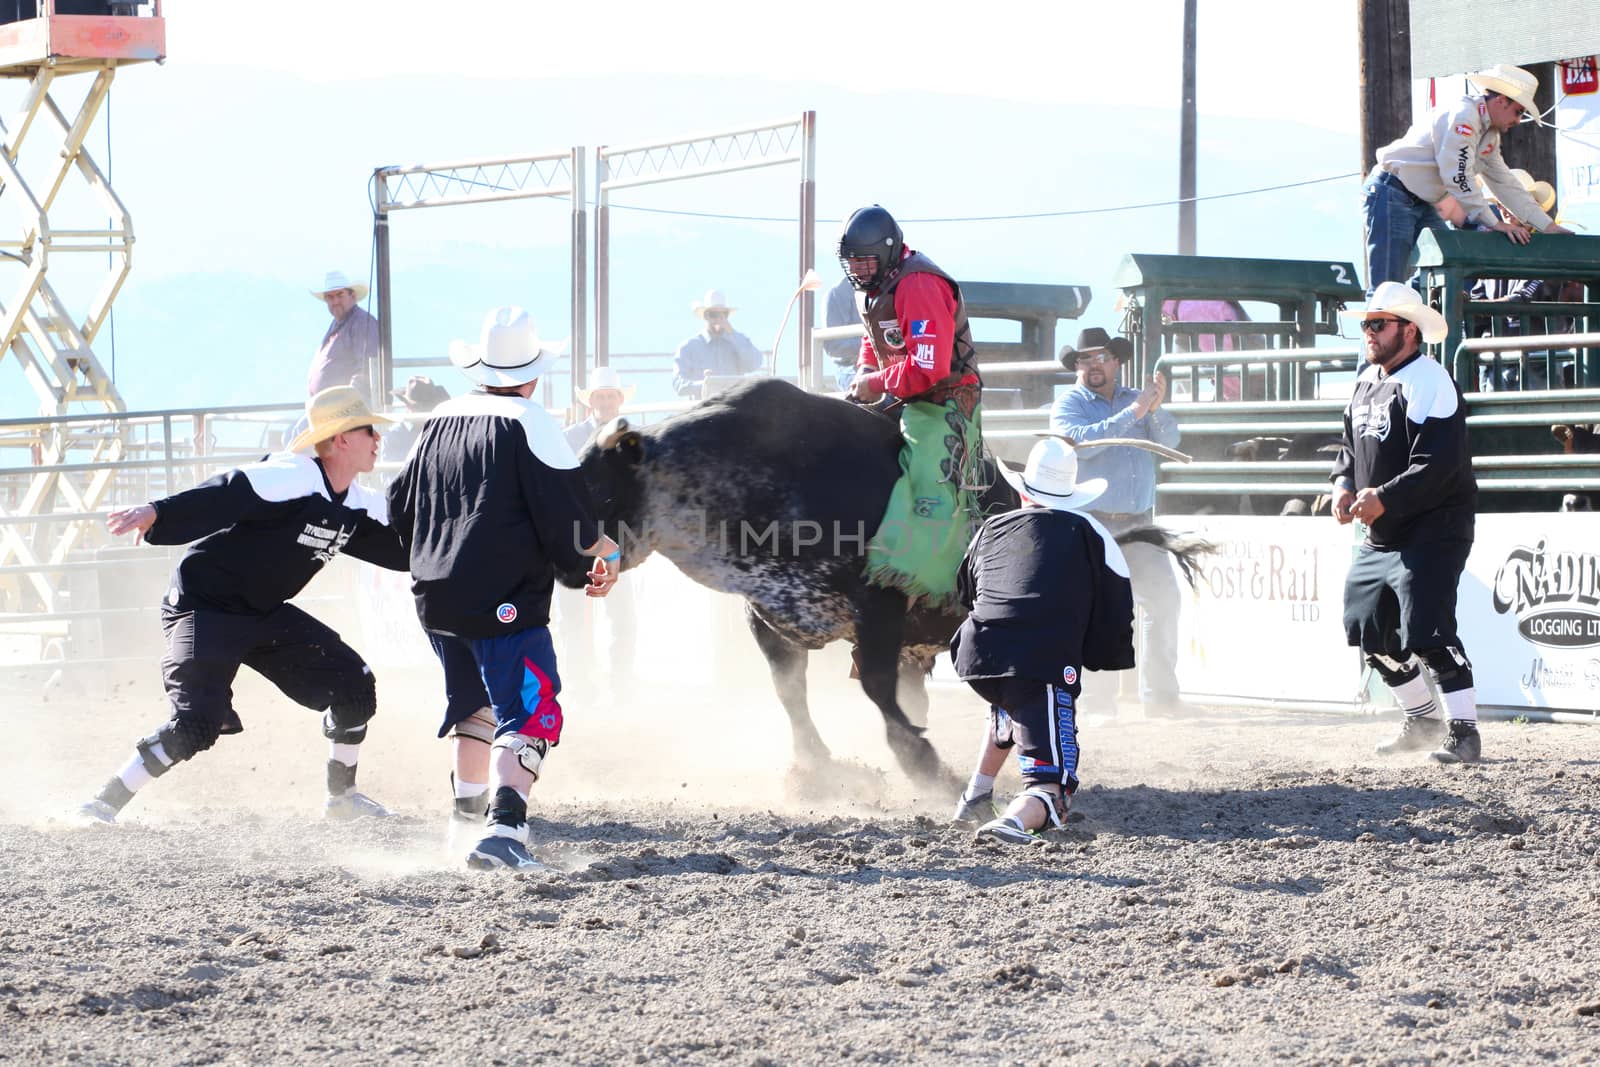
1398,602
1044,725
301,656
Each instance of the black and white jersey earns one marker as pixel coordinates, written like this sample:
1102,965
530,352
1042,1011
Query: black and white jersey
1046,590
1405,434
490,502
264,530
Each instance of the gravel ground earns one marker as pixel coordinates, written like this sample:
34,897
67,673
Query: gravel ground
1237,886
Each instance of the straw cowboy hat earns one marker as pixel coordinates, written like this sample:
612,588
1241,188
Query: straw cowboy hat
333,411
1543,193
1512,82
336,281
1402,301
508,353
713,299
605,378
1051,477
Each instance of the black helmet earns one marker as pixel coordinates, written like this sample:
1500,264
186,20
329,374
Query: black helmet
870,233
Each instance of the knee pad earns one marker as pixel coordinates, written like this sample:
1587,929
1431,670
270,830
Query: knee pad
530,751
1450,665
1000,731
176,741
1393,672
345,721
479,726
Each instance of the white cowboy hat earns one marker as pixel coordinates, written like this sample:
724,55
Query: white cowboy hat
1402,301
605,378
508,352
713,299
336,281
1511,82
332,412
1051,477
1542,192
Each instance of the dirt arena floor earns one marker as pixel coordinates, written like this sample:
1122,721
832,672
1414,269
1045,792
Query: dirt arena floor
1241,886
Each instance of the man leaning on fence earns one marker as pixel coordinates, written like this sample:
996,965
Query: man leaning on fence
1405,471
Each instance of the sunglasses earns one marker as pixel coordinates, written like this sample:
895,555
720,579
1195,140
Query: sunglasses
1375,325
716,314
1098,357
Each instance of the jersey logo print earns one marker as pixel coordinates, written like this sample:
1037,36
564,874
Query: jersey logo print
324,543
1371,420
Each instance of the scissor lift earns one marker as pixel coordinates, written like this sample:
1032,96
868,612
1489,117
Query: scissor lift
54,345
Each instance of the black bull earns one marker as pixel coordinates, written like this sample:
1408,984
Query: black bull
770,493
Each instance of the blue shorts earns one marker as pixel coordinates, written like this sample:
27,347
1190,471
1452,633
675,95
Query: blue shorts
519,672
463,683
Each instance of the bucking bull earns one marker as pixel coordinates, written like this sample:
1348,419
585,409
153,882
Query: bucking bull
771,493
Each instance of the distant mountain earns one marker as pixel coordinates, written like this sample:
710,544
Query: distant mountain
244,189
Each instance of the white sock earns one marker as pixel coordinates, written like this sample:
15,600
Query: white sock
134,775
980,784
1462,705
345,754
464,790
1415,697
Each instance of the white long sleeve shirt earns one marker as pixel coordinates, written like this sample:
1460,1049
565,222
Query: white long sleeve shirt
1445,153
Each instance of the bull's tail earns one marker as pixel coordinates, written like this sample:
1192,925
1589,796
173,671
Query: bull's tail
1186,548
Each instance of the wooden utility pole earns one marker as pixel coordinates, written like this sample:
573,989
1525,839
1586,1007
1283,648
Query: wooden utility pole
1531,147
1385,76
1186,215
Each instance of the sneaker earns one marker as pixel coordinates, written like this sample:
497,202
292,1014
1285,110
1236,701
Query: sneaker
1462,744
500,850
974,810
94,813
1417,733
1008,830
353,805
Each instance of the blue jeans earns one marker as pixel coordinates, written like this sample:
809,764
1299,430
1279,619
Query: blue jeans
1394,221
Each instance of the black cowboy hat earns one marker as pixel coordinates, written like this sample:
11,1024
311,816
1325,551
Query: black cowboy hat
1094,339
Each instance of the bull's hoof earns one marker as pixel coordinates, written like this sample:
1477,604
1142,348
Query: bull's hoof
834,781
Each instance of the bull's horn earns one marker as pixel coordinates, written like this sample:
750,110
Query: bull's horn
612,432
1130,442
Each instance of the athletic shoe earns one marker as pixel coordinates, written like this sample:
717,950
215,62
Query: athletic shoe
95,813
971,812
1008,830
353,805
498,851
1417,733
1461,744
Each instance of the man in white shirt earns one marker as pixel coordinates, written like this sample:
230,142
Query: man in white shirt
1430,176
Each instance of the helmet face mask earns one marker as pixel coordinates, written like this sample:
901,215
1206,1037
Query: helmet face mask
870,233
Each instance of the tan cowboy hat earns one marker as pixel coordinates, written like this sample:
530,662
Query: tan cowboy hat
333,411
1402,301
1542,192
1051,477
605,378
336,281
714,298
1512,82
508,353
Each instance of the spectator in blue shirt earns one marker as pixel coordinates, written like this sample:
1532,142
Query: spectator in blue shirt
1098,407
718,351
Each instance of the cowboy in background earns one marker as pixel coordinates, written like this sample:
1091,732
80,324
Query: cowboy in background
603,400
351,341
489,504
419,396
260,533
1047,591
717,351
1430,176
